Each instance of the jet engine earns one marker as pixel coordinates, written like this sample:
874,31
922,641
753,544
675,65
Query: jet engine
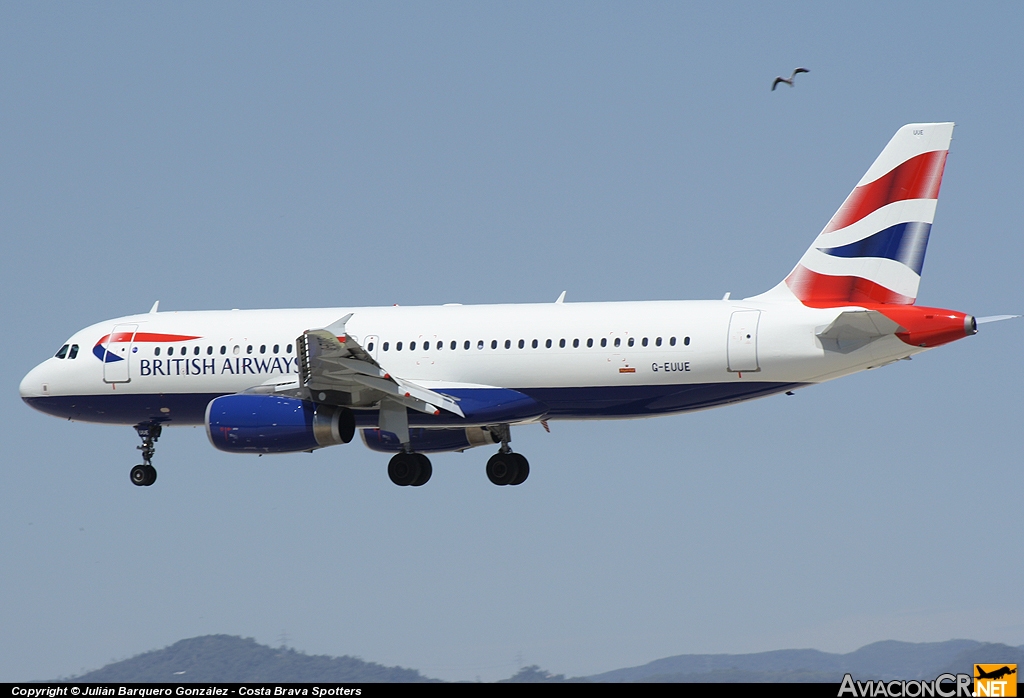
252,423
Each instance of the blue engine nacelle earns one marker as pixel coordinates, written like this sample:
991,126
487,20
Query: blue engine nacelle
430,440
253,423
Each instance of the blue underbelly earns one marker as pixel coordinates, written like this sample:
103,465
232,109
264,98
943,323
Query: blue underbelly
554,403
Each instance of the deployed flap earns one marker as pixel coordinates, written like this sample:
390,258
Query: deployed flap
854,329
332,362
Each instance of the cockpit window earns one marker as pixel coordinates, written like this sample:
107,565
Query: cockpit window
62,352
74,352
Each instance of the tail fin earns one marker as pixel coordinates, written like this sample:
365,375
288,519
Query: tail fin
872,250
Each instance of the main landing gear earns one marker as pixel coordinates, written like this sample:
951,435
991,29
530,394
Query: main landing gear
506,467
407,468
145,475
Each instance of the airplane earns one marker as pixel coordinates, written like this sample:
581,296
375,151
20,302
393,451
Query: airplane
418,380
995,674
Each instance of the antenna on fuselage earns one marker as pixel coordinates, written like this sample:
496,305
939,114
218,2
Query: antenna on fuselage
155,306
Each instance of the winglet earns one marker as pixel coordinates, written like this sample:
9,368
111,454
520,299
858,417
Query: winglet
561,298
338,327
155,306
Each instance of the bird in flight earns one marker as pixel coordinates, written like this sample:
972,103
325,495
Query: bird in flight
789,80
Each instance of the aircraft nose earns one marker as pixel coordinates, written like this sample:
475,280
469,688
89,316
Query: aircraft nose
35,383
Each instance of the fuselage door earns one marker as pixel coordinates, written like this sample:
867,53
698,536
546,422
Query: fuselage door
117,354
742,349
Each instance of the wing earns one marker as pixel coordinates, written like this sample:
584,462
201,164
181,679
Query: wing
335,368
800,70
776,83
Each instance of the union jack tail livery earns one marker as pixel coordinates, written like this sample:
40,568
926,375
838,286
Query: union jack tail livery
872,250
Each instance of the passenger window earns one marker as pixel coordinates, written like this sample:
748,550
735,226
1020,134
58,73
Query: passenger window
590,342
575,344
453,345
248,349
494,344
412,346
170,351
398,346
289,348
561,343
686,341
277,348
263,349
618,341
644,341
74,352
548,344
630,342
522,343
465,345
223,350
535,344
604,341
209,351
62,352
440,344
671,341
156,351
479,344
657,342
196,350
234,350
385,346
508,343
369,347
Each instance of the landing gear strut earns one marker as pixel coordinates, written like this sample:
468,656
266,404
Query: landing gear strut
145,475
506,467
407,468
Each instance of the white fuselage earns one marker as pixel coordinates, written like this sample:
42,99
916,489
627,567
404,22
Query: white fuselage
582,360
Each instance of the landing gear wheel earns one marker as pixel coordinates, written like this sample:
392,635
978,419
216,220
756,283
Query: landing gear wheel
426,470
503,468
143,475
139,475
404,469
524,469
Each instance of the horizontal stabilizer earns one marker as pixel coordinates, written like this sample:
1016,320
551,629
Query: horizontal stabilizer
854,329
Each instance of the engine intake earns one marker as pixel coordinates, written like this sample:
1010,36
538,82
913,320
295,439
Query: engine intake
250,423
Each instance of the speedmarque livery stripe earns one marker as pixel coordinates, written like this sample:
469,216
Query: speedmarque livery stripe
100,352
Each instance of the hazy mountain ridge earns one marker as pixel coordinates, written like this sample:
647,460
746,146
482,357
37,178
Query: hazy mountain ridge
888,659
227,658
234,659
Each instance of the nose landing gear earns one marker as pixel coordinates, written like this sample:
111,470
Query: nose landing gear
145,475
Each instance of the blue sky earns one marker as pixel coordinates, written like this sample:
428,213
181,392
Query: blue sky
273,155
